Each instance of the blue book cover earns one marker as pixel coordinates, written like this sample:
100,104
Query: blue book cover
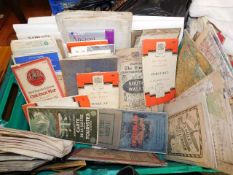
144,131
53,56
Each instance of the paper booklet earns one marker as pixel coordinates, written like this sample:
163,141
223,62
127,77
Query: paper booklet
217,124
131,79
119,157
37,80
159,70
71,101
79,21
102,88
70,123
71,67
220,117
190,138
133,130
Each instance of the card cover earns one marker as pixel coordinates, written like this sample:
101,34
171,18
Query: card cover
159,70
37,80
102,88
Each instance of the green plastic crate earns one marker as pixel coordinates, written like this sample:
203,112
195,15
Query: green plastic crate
18,121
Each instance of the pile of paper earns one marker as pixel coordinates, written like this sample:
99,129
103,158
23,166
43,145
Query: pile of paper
24,150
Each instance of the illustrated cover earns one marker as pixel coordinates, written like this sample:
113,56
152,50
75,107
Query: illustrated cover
159,70
70,67
87,35
119,157
53,56
131,79
144,131
190,139
72,101
102,88
133,130
37,80
77,124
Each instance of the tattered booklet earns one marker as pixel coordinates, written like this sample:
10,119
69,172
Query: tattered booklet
131,79
189,131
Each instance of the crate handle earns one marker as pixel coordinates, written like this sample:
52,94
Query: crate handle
10,102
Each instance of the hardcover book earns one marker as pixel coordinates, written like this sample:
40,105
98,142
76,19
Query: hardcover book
131,130
119,157
131,79
159,70
70,67
77,124
102,88
37,80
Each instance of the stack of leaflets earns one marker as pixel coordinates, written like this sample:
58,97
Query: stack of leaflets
24,150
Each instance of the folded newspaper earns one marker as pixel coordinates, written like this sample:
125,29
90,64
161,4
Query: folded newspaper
24,150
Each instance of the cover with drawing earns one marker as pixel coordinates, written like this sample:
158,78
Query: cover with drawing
77,124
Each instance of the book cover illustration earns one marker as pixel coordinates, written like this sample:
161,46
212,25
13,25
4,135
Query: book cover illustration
184,138
102,88
37,80
131,79
71,67
114,156
159,70
80,125
144,131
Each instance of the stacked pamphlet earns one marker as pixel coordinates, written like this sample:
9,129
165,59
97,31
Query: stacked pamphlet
24,150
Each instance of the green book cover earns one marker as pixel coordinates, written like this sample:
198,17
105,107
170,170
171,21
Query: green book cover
79,125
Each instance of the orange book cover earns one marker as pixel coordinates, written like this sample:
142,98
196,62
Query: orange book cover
159,70
85,43
102,88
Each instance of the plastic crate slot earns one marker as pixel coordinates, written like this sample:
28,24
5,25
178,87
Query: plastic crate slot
10,102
